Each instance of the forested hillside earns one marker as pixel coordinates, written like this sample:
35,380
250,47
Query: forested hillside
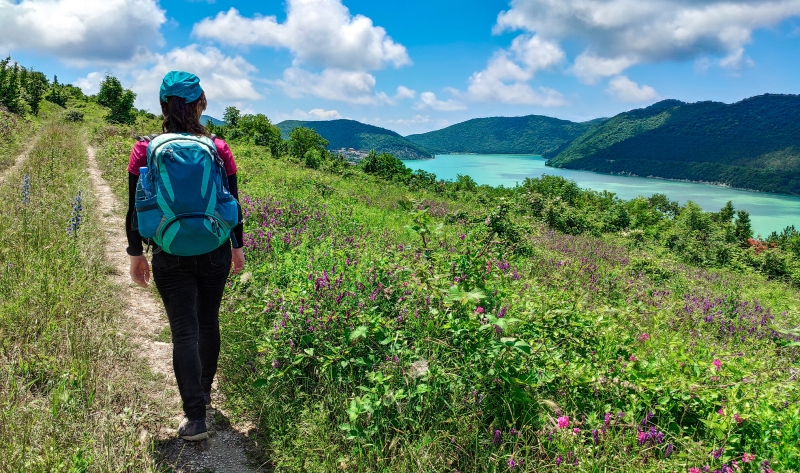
353,134
752,144
504,135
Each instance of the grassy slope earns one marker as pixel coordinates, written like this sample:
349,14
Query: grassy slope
581,303
66,373
14,133
752,144
503,135
353,134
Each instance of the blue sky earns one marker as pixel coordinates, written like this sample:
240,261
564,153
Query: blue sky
418,65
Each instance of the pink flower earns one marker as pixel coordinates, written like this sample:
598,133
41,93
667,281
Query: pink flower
576,431
642,437
717,364
563,422
738,418
694,470
748,457
644,337
633,358
721,412
479,310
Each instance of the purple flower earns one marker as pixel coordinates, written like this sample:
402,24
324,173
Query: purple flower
718,453
669,450
497,437
559,460
512,464
594,436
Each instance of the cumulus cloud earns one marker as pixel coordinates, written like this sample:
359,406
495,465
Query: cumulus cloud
428,100
404,92
90,84
224,78
626,90
332,84
317,32
620,33
107,31
506,76
324,114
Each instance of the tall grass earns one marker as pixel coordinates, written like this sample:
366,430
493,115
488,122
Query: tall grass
70,391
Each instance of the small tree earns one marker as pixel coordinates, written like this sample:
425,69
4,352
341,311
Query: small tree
232,116
743,230
262,131
118,100
385,165
302,140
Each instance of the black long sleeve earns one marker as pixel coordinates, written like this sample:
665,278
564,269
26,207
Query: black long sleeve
238,230
135,247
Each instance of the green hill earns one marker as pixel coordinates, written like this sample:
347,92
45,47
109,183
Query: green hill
204,119
752,144
360,136
532,134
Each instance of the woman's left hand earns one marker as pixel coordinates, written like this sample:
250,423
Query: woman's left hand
237,260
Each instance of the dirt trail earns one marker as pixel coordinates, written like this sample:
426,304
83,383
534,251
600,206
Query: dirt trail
225,451
18,162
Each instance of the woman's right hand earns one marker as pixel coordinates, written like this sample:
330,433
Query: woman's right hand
140,270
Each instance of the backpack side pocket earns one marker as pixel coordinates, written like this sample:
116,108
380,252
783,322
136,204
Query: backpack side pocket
149,216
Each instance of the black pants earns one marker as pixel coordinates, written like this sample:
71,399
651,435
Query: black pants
191,288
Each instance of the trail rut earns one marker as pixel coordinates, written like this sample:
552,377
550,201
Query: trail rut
224,451
18,162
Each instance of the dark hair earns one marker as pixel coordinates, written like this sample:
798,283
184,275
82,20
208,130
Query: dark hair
182,117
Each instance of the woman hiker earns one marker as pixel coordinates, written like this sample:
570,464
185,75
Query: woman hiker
190,286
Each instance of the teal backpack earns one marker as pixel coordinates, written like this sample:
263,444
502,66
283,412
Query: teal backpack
183,202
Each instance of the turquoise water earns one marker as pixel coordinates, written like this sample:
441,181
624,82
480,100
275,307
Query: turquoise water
768,212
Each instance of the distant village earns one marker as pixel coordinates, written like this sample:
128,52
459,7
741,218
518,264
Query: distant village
351,154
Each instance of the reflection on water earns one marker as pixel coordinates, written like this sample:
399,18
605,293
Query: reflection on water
768,212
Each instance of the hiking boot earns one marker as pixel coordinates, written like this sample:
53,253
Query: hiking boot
207,397
193,430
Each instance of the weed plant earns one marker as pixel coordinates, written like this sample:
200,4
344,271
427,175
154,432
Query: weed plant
70,398
382,328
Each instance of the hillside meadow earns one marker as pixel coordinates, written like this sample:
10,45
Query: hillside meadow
390,322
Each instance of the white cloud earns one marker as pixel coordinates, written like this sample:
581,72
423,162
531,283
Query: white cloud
81,30
223,78
736,60
322,33
332,84
404,92
506,76
620,33
91,83
428,100
626,90
324,114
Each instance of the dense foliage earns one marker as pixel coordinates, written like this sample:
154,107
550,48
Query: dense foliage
352,134
118,100
752,144
21,89
389,321
503,135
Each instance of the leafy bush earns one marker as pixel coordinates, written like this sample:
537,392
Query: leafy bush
118,100
73,115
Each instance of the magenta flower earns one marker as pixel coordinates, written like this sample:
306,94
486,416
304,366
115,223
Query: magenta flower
748,457
633,359
694,470
717,364
738,418
563,422
576,431
721,412
644,337
479,310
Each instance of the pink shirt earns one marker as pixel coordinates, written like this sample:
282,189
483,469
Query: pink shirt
139,157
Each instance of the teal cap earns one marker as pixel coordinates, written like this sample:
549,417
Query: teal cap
180,84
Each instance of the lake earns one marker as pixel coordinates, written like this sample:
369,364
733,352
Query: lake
768,212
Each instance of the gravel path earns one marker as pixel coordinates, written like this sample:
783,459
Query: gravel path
18,162
224,451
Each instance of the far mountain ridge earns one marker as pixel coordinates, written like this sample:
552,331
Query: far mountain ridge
343,133
751,144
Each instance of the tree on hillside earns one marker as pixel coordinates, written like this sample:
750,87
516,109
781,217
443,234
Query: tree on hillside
384,165
58,94
743,230
21,90
302,140
118,100
261,130
232,116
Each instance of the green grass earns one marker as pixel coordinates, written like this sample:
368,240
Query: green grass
349,293
72,395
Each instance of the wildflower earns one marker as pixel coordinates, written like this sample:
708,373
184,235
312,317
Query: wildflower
275,364
497,437
718,453
513,432
576,431
738,418
559,460
735,465
594,436
717,364
694,470
563,422
608,419
512,463
479,310
633,359
644,337
668,450
748,457
502,313
721,412
77,216
26,189
642,438
462,237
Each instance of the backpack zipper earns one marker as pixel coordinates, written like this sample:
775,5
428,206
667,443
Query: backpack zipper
216,226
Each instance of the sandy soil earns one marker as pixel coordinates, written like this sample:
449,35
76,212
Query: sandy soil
18,162
225,450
